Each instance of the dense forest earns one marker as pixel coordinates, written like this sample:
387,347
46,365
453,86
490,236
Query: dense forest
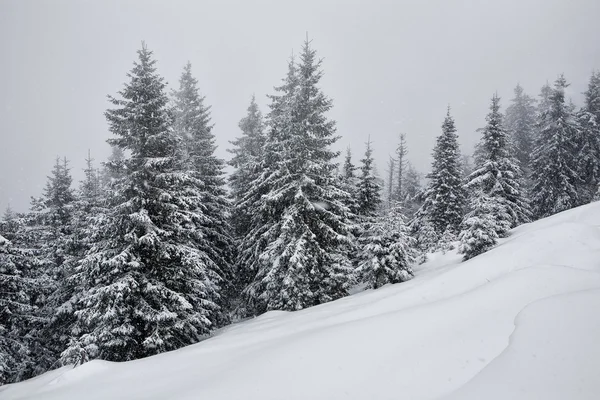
157,247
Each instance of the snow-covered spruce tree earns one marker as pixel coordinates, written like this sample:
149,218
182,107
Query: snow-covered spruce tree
247,154
413,190
23,289
50,233
390,182
520,124
368,189
388,252
497,175
444,197
554,169
544,103
254,243
206,173
369,203
112,167
87,204
480,227
588,141
299,240
401,166
16,312
148,287
350,183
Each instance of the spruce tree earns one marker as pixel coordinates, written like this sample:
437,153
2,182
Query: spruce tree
387,253
148,287
413,191
349,183
390,182
497,175
554,170
297,248
588,141
16,312
480,226
444,197
368,190
520,124
247,156
50,234
401,165
206,170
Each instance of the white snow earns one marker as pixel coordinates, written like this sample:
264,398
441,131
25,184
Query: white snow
519,322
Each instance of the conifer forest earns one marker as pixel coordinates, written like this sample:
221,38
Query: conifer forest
164,242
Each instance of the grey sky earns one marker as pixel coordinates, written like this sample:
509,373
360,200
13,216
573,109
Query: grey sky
390,66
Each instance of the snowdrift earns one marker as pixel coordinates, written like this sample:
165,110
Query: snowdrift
519,322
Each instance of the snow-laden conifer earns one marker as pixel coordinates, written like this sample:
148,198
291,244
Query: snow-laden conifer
387,251
554,169
520,124
296,251
444,197
497,174
588,141
148,287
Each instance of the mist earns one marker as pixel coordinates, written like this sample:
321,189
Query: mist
390,67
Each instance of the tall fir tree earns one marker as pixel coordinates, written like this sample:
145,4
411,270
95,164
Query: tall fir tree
349,182
298,246
520,124
50,234
413,192
554,170
388,251
247,155
17,313
481,224
369,191
498,176
390,182
588,146
148,287
401,165
193,125
444,197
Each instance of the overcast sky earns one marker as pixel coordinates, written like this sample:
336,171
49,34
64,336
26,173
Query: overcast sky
390,67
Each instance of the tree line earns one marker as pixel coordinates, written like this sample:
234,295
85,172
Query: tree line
158,247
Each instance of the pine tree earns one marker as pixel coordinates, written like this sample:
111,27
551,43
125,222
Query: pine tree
497,175
444,198
369,192
297,248
520,124
247,156
588,146
192,124
148,288
554,171
387,254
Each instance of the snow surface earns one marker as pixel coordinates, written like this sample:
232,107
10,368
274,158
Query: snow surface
518,322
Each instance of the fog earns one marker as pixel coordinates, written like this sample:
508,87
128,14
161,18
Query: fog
390,67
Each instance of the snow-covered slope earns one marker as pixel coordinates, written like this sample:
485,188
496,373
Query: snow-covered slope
519,322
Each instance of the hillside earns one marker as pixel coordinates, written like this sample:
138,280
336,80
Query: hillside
519,322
